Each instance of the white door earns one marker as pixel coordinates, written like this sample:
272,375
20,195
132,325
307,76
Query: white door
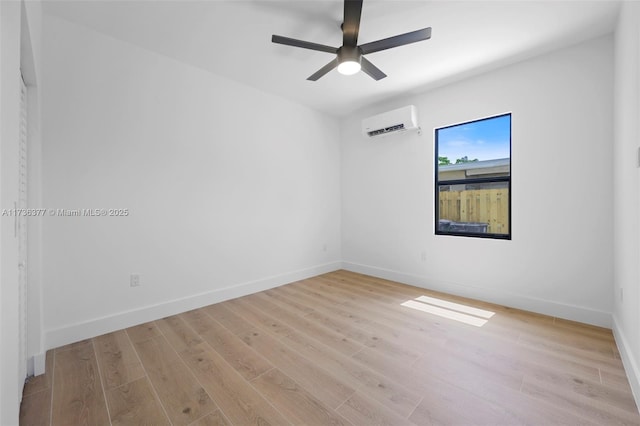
21,229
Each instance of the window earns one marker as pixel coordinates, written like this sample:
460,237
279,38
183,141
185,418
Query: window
473,178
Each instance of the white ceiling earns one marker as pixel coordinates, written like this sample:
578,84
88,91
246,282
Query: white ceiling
233,38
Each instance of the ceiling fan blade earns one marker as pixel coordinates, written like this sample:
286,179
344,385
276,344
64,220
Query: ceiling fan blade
395,41
322,71
373,71
304,44
351,23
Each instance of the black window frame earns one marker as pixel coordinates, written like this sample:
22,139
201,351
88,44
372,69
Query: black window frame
467,181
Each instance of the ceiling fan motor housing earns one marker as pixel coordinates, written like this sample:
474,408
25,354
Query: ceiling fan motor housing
349,54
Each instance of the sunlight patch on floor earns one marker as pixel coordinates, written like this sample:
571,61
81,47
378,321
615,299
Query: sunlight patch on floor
456,307
450,310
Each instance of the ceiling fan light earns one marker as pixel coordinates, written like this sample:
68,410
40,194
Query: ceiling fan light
349,67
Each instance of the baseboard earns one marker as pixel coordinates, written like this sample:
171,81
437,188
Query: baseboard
628,360
39,363
546,307
73,333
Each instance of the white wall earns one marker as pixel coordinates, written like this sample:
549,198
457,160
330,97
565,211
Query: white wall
230,190
559,260
625,188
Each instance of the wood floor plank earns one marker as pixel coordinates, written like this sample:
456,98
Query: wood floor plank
428,327
329,389
528,358
522,409
578,328
294,401
615,380
249,315
384,390
361,289
360,410
449,368
221,313
454,374
336,340
597,345
585,407
244,360
587,388
178,333
237,399
78,398
444,406
521,359
35,409
183,398
117,359
495,362
214,419
377,340
588,357
142,332
412,335
200,320
361,330
463,372
294,306
135,404
257,316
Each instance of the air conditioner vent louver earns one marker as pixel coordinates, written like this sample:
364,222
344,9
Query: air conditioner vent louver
398,120
386,130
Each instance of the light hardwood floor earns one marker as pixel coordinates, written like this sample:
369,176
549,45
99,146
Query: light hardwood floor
341,348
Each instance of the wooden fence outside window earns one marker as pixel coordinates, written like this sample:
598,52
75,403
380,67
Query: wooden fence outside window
489,206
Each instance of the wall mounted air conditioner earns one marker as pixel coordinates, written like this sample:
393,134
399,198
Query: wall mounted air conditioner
398,120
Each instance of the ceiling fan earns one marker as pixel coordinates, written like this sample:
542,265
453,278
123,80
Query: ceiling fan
350,57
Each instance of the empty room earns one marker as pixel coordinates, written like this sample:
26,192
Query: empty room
337,212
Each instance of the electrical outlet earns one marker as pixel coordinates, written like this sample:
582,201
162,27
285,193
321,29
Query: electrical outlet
134,280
